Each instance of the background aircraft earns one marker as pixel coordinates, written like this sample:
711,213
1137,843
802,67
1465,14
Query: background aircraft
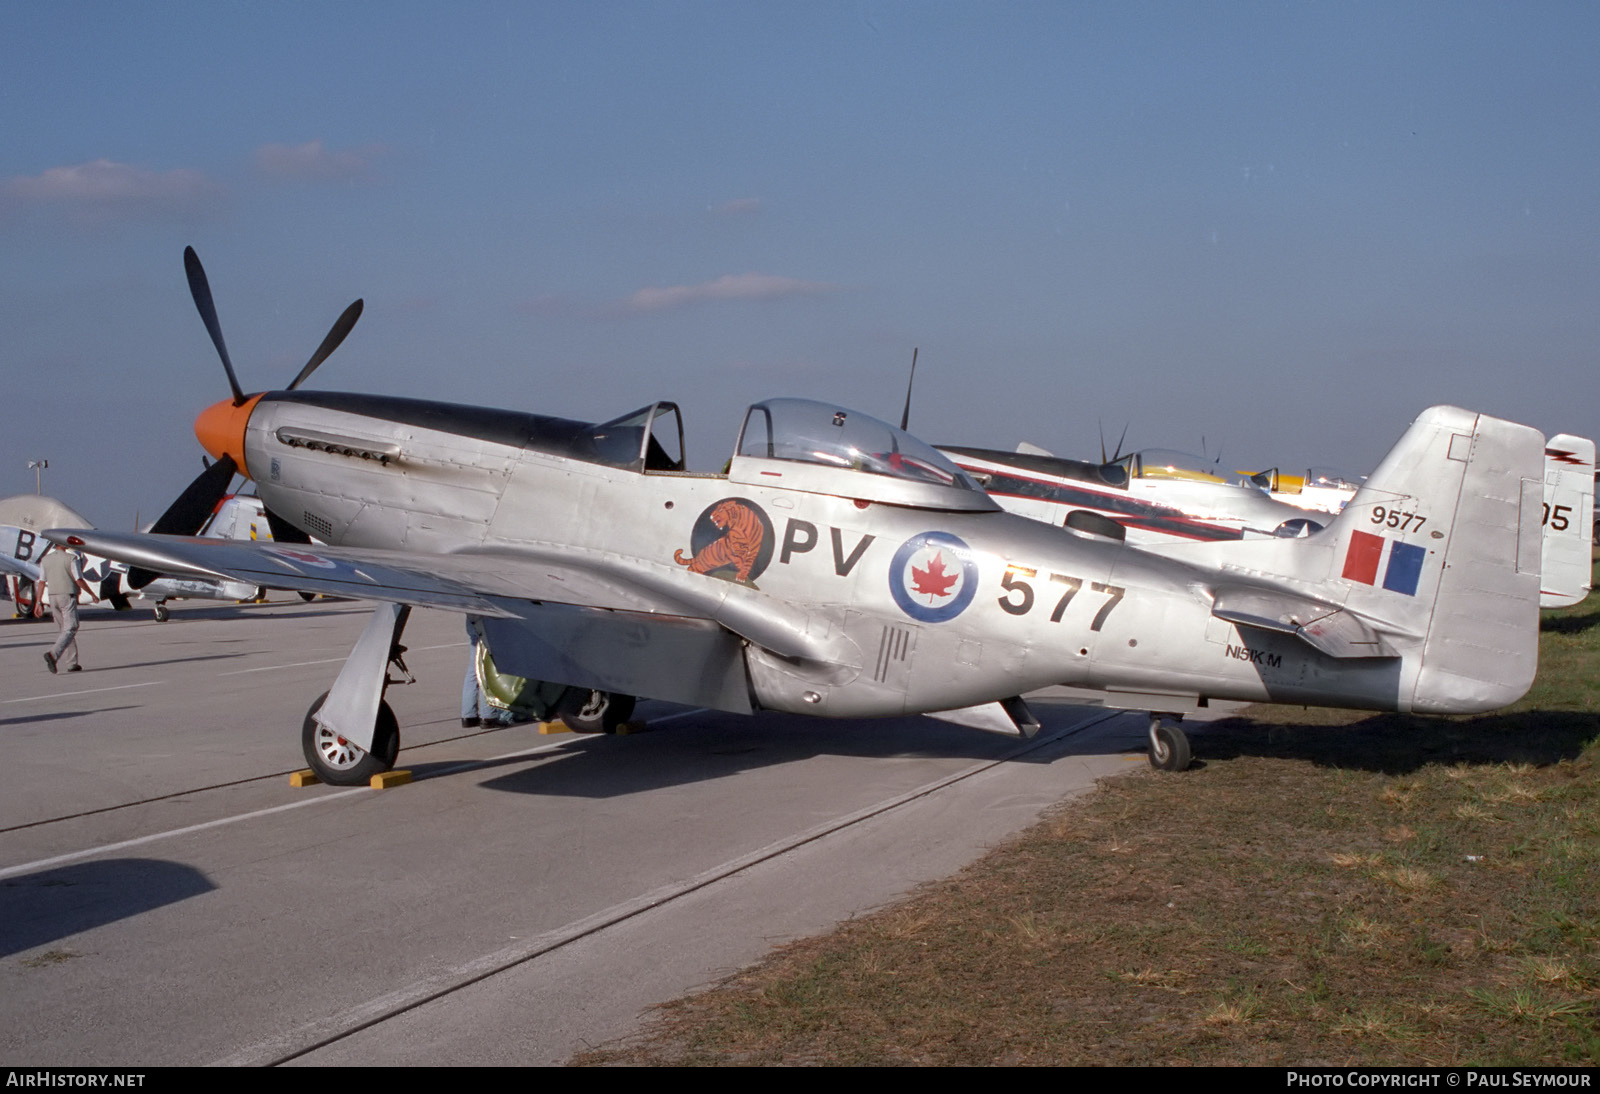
22,519
1157,496
1567,559
1320,489
237,516
840,567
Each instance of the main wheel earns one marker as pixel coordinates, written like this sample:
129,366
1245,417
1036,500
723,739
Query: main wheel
340,762
1169,747
308,597
594,711
26,593
161,611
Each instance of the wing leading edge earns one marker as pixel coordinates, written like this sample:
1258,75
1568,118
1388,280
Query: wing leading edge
497,583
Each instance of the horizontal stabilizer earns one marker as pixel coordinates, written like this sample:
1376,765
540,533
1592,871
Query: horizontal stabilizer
1325,627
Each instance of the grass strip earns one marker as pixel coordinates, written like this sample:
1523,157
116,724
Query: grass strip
1327,887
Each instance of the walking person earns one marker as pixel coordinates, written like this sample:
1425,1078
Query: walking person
62,577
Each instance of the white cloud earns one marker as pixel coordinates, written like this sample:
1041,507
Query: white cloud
314,162
748,286
107,188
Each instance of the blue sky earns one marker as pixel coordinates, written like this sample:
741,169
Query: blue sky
1282,227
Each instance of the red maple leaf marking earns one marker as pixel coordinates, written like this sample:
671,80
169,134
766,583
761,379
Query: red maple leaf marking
934,581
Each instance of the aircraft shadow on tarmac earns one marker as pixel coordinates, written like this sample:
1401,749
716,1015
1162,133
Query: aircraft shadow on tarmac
61,714
702,746
1397,744
52,904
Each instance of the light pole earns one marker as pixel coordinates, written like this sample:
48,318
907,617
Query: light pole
37,467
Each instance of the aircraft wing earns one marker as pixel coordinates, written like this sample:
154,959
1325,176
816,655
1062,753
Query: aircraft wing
18,567
496,583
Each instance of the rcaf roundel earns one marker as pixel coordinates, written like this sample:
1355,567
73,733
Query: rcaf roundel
305,558
933,577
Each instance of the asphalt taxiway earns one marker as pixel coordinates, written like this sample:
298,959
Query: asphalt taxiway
166,897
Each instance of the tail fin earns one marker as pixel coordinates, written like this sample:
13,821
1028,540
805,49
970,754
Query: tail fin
1567,565
1479,562
1437,557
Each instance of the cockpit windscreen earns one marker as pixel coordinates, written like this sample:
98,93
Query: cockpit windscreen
821,433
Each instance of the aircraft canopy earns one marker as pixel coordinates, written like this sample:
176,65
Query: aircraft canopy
804,431
1165,463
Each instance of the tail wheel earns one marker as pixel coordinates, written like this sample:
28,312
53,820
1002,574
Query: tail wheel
1169,747
339,761
594,711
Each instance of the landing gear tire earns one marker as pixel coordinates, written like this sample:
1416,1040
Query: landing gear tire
308,597
1169,747
338,761
26,593
162,615
595,711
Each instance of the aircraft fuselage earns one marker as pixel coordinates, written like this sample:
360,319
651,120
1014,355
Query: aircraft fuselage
907,609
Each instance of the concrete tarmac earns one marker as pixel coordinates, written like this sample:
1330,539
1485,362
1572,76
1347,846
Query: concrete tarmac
167,898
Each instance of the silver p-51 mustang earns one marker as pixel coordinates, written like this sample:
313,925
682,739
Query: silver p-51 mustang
840,567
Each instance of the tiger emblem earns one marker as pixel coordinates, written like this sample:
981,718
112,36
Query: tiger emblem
743,538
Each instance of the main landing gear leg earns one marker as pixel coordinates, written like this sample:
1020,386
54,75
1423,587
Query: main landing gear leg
1169,746
350,733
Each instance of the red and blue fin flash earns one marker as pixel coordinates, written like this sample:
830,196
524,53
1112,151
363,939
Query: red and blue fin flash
1365,555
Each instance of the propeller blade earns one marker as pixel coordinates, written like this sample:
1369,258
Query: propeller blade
200,289
341,328
188,514
1117,455
905,415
